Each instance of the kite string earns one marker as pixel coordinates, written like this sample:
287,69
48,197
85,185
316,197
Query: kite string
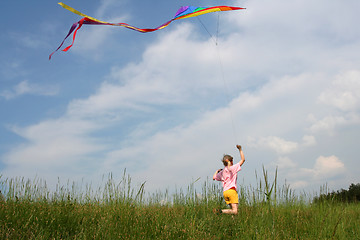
211,36
217,28
226,85
227,93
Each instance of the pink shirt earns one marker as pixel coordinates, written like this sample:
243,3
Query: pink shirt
228,176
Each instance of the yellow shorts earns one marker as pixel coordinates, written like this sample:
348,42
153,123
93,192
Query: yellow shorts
231,196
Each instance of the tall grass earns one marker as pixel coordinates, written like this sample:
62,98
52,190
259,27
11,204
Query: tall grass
118,210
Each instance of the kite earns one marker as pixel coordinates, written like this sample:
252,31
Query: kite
183,12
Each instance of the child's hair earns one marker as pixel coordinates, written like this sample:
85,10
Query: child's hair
226,157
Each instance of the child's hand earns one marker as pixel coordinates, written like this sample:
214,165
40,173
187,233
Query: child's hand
238,147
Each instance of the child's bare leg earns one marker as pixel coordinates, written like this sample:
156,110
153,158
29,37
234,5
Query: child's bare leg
233,210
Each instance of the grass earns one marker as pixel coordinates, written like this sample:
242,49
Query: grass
29,210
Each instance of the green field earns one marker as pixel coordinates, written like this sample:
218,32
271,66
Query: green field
117,210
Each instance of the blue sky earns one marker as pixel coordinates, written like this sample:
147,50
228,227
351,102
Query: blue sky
283,81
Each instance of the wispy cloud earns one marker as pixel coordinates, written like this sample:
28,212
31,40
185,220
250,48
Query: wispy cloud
25,87
344,92
326,169
341,100
277,144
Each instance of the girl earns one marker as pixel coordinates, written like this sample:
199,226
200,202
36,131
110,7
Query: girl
228,177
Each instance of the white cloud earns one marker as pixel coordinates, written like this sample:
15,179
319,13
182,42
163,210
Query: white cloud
330,123
285,163
344,92
162,81
309,141
281,146
25,87
327,167
12,69
340,102
324,170
276,144
53,142
107,5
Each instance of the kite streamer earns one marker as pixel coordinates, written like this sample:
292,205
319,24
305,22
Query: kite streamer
183,12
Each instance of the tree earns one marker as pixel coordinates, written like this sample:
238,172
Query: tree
351,195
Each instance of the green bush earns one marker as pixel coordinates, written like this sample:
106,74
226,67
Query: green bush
346,196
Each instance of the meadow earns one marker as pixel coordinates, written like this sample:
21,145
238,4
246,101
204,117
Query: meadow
118,210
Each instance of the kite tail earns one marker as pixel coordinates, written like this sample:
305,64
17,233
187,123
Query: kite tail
183,12
80,23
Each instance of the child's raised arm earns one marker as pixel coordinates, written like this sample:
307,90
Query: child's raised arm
241,155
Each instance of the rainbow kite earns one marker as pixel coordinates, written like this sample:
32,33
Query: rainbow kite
183,12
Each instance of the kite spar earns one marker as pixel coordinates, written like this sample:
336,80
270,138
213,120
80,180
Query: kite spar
183,12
